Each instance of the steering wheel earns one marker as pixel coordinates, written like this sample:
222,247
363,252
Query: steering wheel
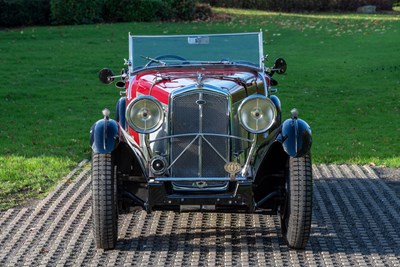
164,57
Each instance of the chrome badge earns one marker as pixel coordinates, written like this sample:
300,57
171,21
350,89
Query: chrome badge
232,168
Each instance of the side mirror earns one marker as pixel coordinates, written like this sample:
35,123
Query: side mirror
106,76
279,66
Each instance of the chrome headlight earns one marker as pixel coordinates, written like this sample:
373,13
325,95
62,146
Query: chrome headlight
145,114
257,113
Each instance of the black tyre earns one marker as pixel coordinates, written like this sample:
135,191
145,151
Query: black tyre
296,209
104,201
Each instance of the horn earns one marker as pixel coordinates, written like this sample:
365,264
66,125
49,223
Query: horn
120,84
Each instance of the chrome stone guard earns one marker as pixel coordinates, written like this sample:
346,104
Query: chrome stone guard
142,159
203,137
136,150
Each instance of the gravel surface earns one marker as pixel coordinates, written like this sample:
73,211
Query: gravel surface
355,223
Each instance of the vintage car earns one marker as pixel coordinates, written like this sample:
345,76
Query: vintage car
198,128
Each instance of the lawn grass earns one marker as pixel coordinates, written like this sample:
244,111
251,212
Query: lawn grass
343,75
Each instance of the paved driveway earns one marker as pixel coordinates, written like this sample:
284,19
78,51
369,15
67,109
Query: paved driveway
356,222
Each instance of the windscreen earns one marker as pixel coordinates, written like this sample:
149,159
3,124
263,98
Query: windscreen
241,48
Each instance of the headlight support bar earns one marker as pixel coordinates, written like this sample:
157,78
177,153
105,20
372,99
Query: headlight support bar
251,152
202,136
136,150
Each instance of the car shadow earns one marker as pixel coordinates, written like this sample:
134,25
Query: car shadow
350,216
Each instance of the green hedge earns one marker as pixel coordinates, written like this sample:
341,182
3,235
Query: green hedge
76,11
303,5
136,10
41,12
148,10
24,12
184,9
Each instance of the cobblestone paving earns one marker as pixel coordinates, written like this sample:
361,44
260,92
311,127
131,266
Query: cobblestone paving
356,222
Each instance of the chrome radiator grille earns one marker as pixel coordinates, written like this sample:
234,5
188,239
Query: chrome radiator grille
197,112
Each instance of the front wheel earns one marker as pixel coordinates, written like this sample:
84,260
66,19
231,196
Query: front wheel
104,201
296,209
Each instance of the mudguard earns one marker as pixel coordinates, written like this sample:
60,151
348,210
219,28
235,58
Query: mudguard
120,112
295,137
104,136
277,103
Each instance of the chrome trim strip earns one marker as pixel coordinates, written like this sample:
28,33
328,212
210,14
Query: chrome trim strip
190,35
130,43
200,149
261,50
197,179
210,89
202,134
198,65
207,189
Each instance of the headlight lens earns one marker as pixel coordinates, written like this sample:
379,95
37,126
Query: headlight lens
145,114
257,113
